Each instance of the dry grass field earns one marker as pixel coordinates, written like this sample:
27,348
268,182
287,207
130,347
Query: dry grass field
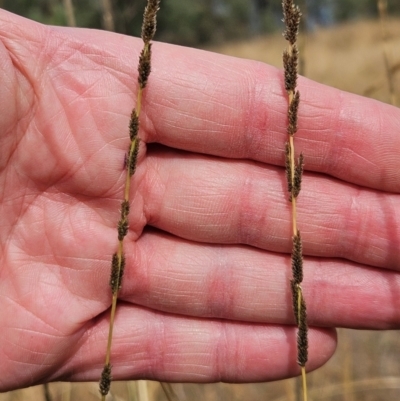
367,364
348,57
366,367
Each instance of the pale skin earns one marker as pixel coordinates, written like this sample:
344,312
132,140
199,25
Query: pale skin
206,293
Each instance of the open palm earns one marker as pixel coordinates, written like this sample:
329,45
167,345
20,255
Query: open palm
206,292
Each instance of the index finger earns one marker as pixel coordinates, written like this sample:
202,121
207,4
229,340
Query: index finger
223,106
213,104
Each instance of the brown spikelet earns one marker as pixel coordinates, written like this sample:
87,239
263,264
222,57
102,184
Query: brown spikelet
288,168
144,66
292,113
133,125
117,272
124,209
291,15
121,271
302,335
105,381
297,259
291,63
295,300
114,276
298,175
133,158
150,20
122,229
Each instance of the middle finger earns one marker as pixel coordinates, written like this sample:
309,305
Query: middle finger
221,201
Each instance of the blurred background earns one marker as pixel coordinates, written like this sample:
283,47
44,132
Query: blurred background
195,22
336,30
353,45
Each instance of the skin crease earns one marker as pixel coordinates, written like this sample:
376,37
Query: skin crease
206,293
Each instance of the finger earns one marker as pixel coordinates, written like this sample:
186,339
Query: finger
207,103
246,284
158,346
230,107
222,201
8,89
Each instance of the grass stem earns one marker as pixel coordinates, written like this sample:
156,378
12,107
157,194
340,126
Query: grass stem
143,393
118,259
108,18
169,391
46,392
294,173
69,12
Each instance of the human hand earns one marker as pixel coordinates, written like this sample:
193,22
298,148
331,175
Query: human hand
206,294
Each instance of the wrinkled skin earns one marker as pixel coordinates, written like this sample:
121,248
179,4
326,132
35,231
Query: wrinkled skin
206,295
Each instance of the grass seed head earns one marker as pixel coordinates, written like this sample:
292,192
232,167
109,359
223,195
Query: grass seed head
125,209
293,112
297,259
122,229
133,125
288,168
144,66
292,15
290,63
117,272
114,273
133,157
298,176
302,335
149,25
105,380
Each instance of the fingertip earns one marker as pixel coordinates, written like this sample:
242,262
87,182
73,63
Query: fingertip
159,346
323,344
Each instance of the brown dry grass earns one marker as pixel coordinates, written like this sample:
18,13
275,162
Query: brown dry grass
366,366
348,57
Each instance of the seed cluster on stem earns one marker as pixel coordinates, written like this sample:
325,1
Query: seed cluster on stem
118,259
294,173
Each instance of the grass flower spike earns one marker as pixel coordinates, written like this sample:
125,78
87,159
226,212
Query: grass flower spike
118,259
294,172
